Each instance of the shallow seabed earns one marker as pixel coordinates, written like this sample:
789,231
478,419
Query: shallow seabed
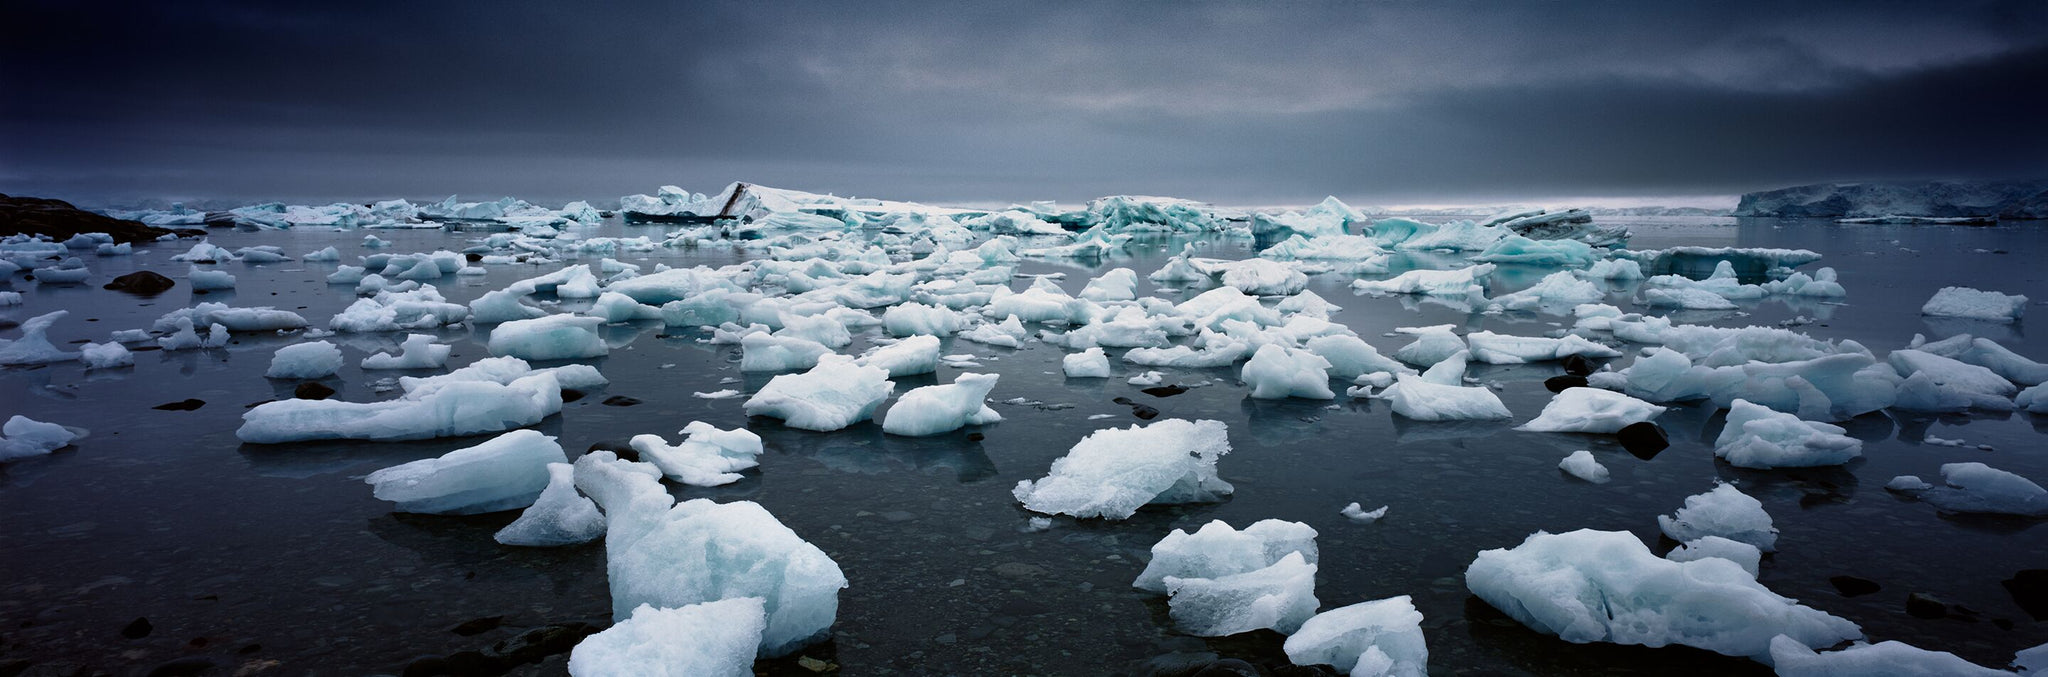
277,560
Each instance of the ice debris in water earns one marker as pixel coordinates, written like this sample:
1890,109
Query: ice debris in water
1150,378
1591,410
708,457
560,516
1725,512
908,357
1757,437
1114,471
310,360
1974,304
1376,638
931,410
25,437
1792,658
1605,586
738,550
1359,514
1090,363
834,394
419,351
446,409
766,352
555,337
711,639
1977,488
1218,550
34,346
1279,597
1275,373
105,355
1436,395
507,472
1582,465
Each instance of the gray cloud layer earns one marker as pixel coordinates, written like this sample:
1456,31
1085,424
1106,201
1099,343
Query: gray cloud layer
1230,102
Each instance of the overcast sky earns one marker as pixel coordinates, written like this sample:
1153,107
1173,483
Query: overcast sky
1236,103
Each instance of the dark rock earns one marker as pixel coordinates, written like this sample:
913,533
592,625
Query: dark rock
185,667
1923,605
466,663
620,401
137,629
312,390
141,283
1558,384
473,257
976,437
1143,412
1165,391
1229,667
622,448
1577,365
547,640
1851,586
185,405
59,220
1643,439
427,666
571,395
2029,589
478,626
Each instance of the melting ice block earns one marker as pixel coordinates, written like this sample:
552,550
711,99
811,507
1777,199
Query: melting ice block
1723,512
25,437
1974,304
1715,546
1279,597
1090,363
1114,471
1417,398
832,395
1758,437
310,360
708,457
1276,373
931,410
712,639
507,472
452,409
1591,410
765,352
1217,550
418,352
1892,659
908,357
555,337
1381,637
1582,465
1605,586
1936,383
34,346
560,516
1490,348
1978,488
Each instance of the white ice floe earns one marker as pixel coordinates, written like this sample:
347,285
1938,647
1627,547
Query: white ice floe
931,410
34,346
1978,488
1988,354
1218,550
1279,597
1582,465
1758,437
767,352
419,351
1591,410
505,473
1434,395
107,355
1432,345
1490,348
209,280
834,394
448,409
708,457
710,639
416,309
554,337
1715,546
559,517
1725,512
310,360
1113,472
1275,373
22,437
908,357
1974,304
1605,586
1090,363
1376,638
1359,514
1936,383
1467,282
1792,658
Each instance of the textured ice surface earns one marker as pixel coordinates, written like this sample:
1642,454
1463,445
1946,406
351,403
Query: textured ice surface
310,360
1974,304
908,357
453,409
25,437
1936,383
419,351
417,309
1275,373
1605,586
708,457
34,346
1723,512
1978,488
1793,658
710,639
1090,363
1279,597
832,395
931,410
1757,437
1217,550
1490,348
1380,637
1591,410
105,355
766,352
1417,398
1114,471
1582,465
560,516
1715,546
507,472
555,337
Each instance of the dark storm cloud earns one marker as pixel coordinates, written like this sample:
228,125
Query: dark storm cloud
1232,102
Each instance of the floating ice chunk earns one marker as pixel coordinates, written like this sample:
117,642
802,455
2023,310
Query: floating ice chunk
1279,597
1715,546
1418,398
1724,512
1432,345
105,355
1389,631
1978,488
1791,658
1615,269
1114,471
559,517
419,351
34,346
507,472
708,457
453,409
1008,333
555,337
1263,277
348,275
9,298
503,371
1686,298
209,280
2032,662
820,328
263,318
1936,383
1830,388
1559,291
1468,282
931,410
765,352
1758,437
1275,373
834,394
1118,284
1360,515
310,360
1988,354
323,254
1605,586
392,310
1522,250
2034,400
25,437
1591,410
1090,363
1351,357
913,319
615,307
712,639
1218,550
1582,465
908,357
185,337
1490,348
1147,379
1907,483
1973,304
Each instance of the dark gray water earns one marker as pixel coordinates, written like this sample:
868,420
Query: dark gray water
276,559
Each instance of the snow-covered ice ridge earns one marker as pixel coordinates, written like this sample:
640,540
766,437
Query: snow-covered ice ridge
816,272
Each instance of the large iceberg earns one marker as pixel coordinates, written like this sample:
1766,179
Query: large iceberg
1758,437
507,472
1114,471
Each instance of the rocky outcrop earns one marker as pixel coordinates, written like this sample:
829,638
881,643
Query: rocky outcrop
1934,199
59,220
